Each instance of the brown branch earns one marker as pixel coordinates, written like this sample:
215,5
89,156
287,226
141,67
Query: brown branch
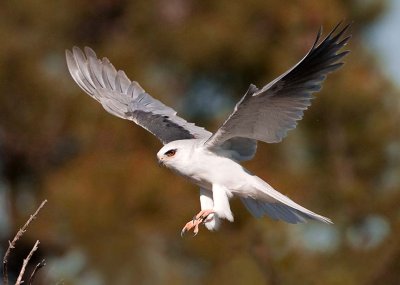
11,245
25,263
37,268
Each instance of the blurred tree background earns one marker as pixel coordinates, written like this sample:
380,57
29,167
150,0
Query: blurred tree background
114,216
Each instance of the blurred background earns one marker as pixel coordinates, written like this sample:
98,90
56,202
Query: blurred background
114,216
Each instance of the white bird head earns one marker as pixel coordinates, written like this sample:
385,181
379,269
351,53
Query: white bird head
174,153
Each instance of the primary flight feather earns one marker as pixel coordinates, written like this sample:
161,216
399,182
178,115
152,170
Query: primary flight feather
211,161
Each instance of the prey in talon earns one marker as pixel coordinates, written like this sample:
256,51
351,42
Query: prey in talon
212,160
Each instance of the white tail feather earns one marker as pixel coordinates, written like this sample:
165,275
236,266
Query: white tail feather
278,206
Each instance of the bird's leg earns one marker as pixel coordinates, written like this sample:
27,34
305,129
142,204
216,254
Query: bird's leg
207,215
202,217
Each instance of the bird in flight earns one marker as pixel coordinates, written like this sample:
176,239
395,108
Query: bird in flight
212,160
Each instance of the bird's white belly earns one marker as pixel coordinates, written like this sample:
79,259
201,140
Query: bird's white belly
217,170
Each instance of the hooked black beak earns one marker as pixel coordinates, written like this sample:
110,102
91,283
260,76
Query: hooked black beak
160,162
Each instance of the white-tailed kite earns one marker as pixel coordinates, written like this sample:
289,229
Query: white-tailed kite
212,161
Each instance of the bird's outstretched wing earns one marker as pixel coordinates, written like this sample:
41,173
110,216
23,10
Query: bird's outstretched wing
127,99
269,113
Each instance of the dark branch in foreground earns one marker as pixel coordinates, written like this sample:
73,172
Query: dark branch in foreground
37,268
12,246
26,261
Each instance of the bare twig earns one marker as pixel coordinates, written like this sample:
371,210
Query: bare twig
37,268
25,263
11,245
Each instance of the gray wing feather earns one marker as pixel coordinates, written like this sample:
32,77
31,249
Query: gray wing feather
127,99
268,114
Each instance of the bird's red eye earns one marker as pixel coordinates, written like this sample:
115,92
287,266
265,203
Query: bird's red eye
171,152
